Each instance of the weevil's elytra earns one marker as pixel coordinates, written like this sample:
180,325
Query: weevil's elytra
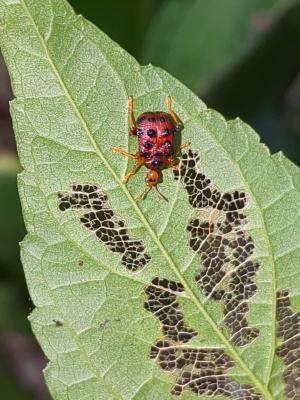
155,131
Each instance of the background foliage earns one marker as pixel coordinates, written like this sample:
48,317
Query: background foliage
253,49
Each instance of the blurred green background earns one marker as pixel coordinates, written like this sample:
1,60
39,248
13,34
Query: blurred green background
241,56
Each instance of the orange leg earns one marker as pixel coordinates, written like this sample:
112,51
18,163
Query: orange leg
122,152
139,161
131,123
175,167
133,172
181,147
173,163
169,103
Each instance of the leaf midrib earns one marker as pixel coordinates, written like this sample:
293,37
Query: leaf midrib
145,222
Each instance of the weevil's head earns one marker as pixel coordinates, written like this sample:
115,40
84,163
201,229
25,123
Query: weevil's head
152,178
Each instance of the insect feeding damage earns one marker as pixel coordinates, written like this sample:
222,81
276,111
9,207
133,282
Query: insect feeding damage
155,132
164,305
97,215
203,371
226,249
288,330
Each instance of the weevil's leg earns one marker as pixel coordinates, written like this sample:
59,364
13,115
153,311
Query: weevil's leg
175,167
172,163
139,163
131,123
169,103
122,152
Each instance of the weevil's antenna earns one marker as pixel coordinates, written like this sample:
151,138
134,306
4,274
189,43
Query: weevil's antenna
143,194
159,196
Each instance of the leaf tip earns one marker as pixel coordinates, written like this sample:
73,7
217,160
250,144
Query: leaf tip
279,155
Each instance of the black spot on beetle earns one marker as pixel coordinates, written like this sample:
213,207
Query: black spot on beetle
151,133
156,163
144,153
141,119
148,145
168,145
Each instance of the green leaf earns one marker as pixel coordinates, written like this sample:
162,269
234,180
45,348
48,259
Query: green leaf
135,300
202,42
